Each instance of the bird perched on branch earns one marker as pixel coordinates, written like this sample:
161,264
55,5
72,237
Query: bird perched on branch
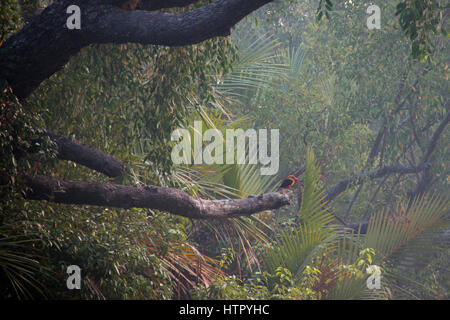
289,182
297,173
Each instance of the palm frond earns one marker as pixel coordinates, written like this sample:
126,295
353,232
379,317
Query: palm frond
295,57
390,232
226,181
257,66
402,239
314,209
184,264
20,266
296,248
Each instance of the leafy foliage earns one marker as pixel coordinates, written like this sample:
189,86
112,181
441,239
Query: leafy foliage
397,238
418,19
21,269
313,235
10,18
149,88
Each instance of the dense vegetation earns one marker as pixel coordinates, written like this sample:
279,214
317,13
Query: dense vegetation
363,111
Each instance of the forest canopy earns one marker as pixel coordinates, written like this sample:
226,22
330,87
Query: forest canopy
354,117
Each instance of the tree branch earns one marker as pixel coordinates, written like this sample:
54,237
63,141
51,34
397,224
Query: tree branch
435,138
426,179
152,5
73,150
369,162
158,28
45,45
342,185
166,199
399,168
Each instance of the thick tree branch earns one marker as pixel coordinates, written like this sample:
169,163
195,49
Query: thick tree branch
158,28
73,150
166,199
45,45
152,5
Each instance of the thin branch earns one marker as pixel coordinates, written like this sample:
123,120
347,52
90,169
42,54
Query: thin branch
353,200
369,162
427,179
435,138
378,189
399,168
342,185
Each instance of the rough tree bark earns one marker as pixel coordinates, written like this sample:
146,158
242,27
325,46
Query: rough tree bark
45,45
166,199
73,150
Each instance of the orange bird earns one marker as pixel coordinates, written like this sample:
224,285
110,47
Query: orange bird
289,182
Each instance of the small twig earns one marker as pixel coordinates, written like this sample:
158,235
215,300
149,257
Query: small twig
369,163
